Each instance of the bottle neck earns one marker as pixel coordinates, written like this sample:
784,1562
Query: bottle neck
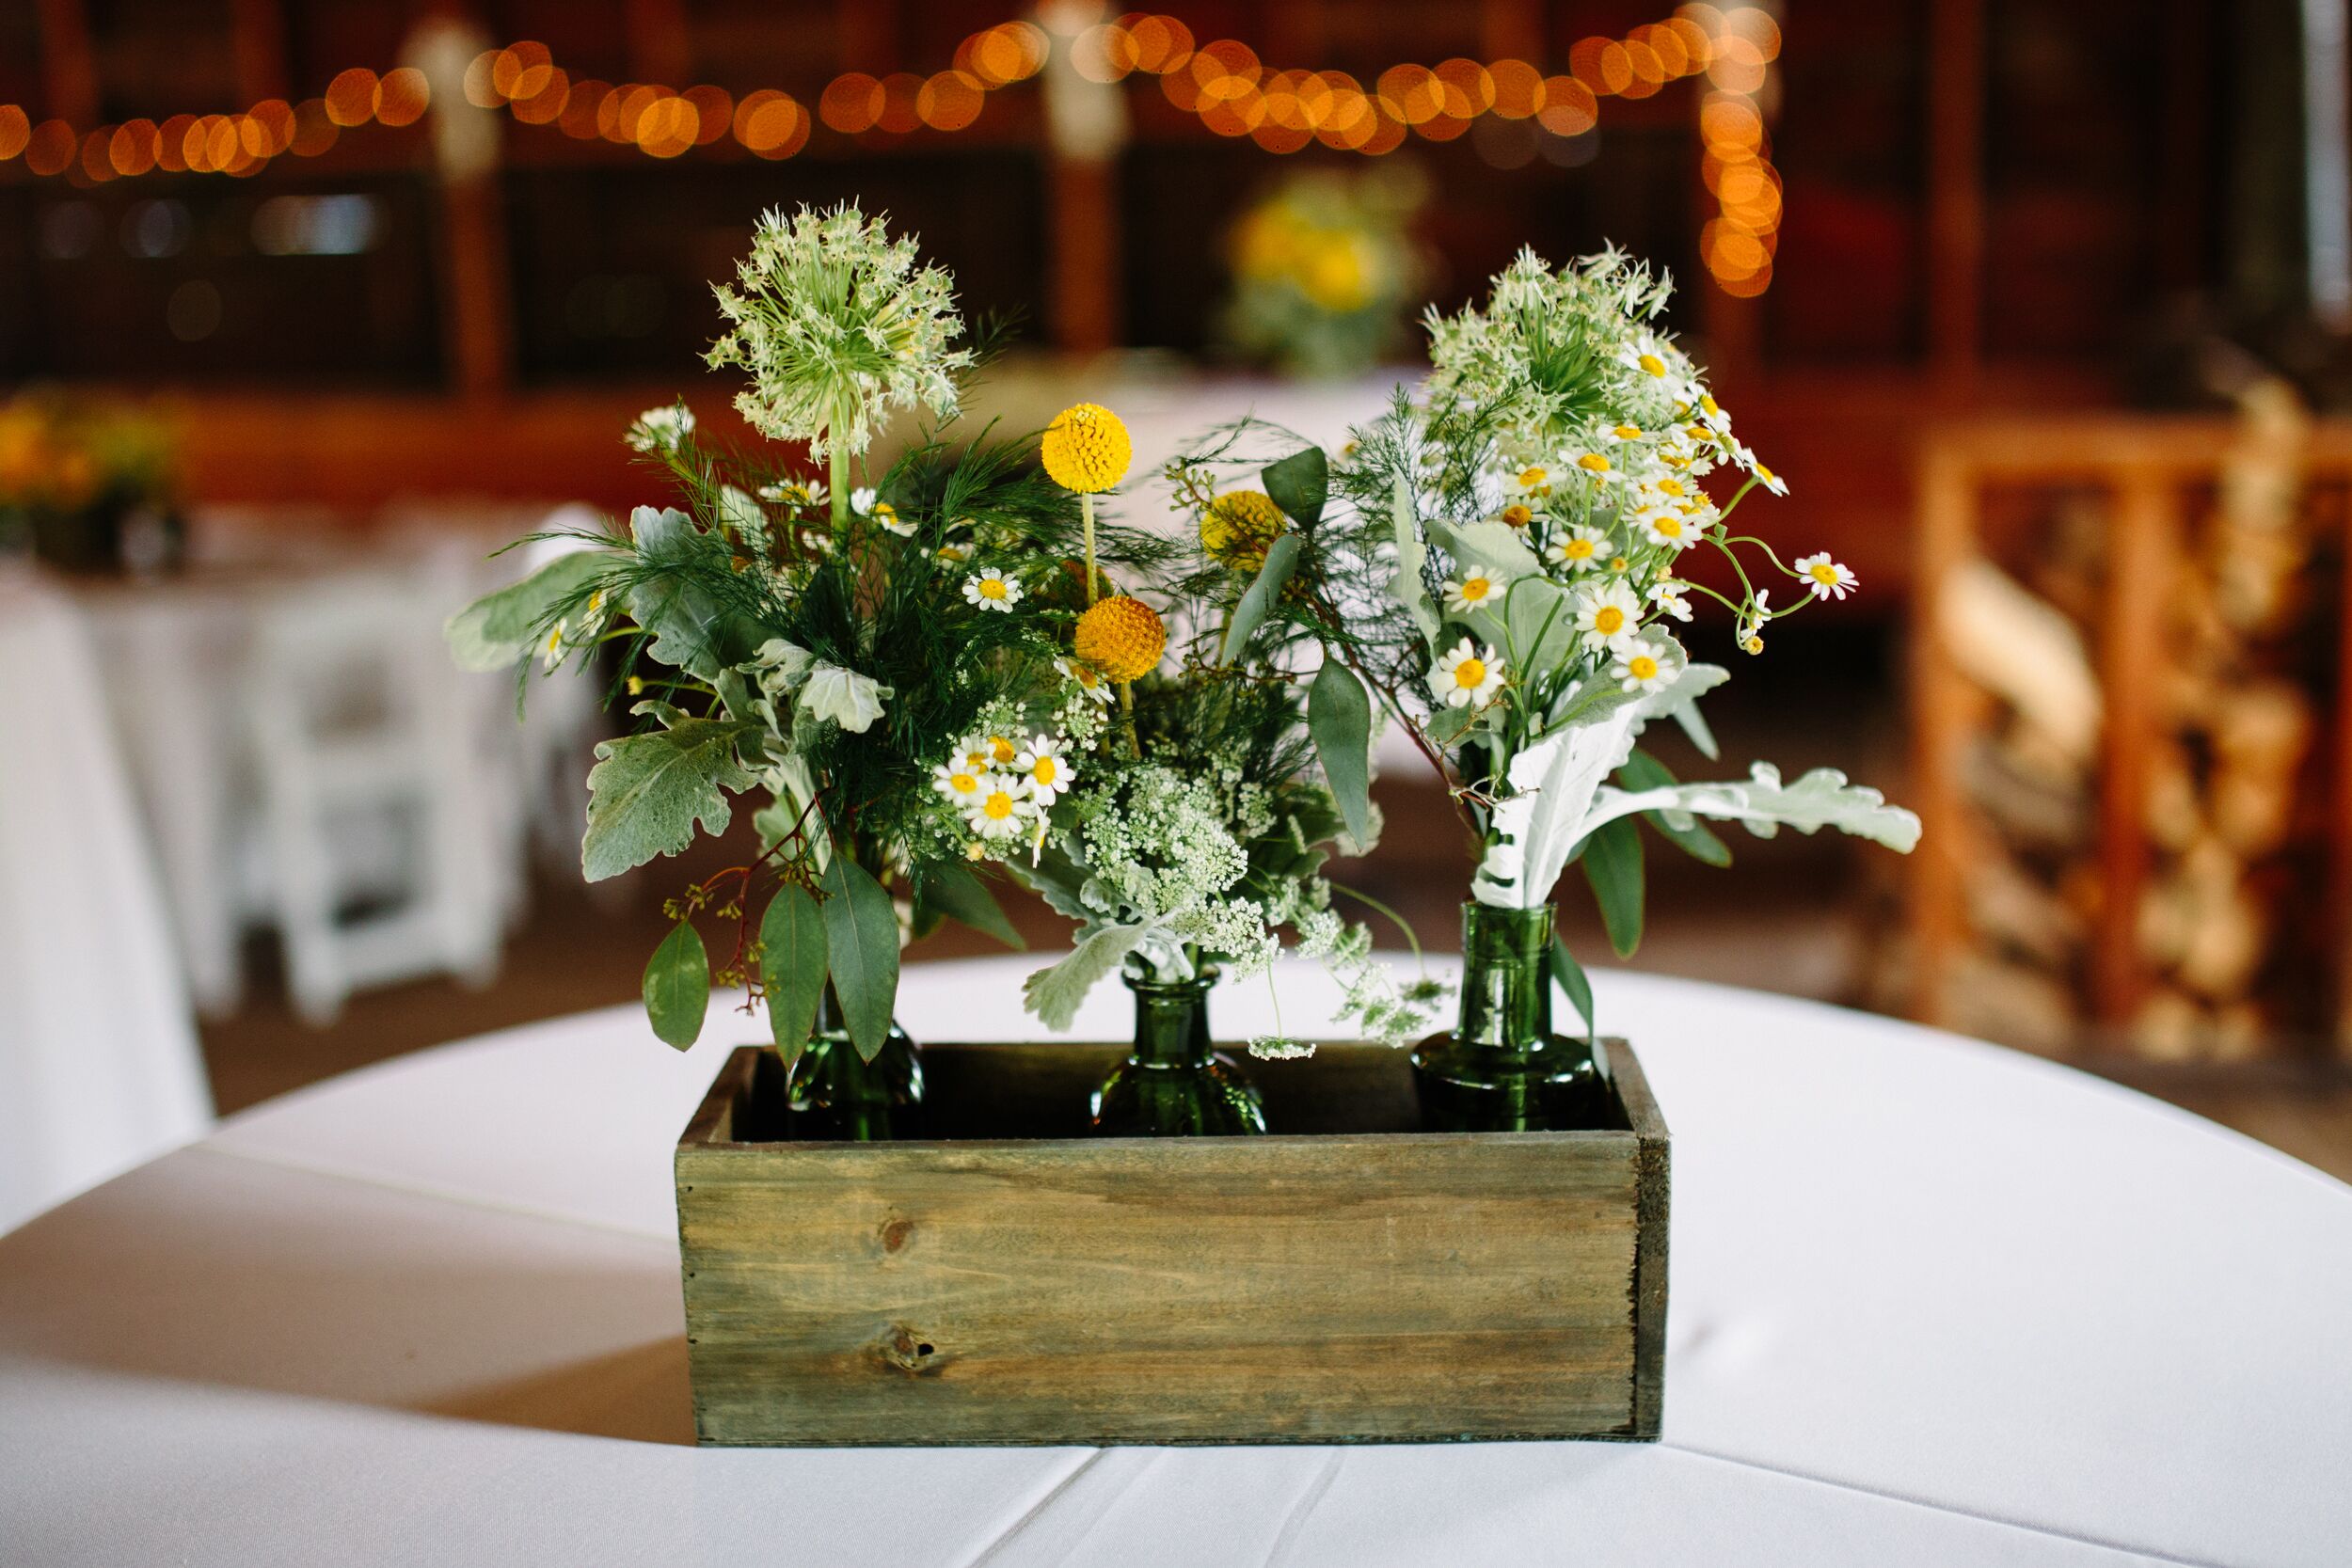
1506,976
1172,1020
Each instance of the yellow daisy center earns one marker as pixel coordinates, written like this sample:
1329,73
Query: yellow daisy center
963,783
997,806
1628,433
1609,620
1653,364
1670,527
1824,573
1578,550
991,588
1517,516
1641,666
1471,672
1670,486
1708,403
1617,564
1475,589
1530,478
1593,463
1046,770
1002,750
1765,474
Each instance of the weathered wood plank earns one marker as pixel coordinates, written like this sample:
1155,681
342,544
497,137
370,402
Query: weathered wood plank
1345,1284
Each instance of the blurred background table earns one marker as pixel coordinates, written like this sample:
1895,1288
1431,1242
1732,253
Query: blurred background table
1931,1302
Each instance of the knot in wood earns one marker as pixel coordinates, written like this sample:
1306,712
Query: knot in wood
910,1352
894,1232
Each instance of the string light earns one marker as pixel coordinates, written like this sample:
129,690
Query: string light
1222,84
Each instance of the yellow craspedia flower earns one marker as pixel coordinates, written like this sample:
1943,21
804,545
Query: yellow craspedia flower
1238,526
1122,637
1086,448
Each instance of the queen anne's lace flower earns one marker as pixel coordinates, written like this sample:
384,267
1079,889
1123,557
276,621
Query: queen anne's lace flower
837,325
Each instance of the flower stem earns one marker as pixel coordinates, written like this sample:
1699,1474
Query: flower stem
1086,510
837,455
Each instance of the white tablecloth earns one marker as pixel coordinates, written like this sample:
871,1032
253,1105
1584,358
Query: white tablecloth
99,1065
1931,1303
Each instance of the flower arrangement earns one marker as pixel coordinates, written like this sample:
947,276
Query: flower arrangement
1501,564
1323,266
891,669
72,476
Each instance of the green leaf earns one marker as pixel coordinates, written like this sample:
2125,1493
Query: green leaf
1406,585
1685,831
862,945
950,889
1613,864
792,966
1281,557
498,629
647,792
1573,980
1300,484
678,985
1339,717
1054,993
691,630
1820,799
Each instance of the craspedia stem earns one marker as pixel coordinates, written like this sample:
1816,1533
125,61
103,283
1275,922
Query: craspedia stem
1086,510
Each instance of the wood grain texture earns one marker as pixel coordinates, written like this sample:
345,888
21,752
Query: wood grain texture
1341,1284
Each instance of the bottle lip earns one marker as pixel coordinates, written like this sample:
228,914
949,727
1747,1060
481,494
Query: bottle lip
1203,977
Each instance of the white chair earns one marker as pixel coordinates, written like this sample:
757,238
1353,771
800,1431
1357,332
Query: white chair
378,822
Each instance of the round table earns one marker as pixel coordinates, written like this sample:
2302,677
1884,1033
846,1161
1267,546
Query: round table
1932,1302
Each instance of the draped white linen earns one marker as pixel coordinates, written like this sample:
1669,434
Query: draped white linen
1931,1303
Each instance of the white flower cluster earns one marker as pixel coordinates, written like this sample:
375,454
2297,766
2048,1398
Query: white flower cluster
836,324
1002,785
661,429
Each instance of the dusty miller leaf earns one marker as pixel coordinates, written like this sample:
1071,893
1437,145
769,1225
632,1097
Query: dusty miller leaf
649,792
500,628
1054,993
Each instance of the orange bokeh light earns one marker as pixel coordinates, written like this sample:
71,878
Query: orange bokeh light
851,102
351,97
950,100
402,96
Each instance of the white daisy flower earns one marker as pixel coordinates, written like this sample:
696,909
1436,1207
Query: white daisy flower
1648,356
800,494
1085,677
1534,480
1749,634
989,752
1473,591
952,554
862,499
1045,768
887,515
1580,549
1519,514
1467,675
1668,526
1626,432
1608,615
958,781
661,429
1746,458
999,810
1712,414
1826,578
1641,664
1669,596
1597,468
991,589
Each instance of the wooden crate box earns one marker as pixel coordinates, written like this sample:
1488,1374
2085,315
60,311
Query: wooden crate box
1349,1279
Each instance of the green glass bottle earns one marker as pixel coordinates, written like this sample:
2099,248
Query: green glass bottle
1503,1069
833,1093
1172,1084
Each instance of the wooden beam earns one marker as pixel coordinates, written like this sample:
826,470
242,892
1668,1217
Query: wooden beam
1956,217
1939,735
1084,254
479,328
257,35
2141,556
69,67
660,47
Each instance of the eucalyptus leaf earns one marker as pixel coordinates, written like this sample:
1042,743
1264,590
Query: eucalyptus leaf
792,966
861,951
1300,484
1579,986
649,792
678,985
1054,993
1282,559
500,628
1612,859
1339,718
948,888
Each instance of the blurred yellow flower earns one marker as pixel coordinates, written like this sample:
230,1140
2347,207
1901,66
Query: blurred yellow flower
1238,526
1121,637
